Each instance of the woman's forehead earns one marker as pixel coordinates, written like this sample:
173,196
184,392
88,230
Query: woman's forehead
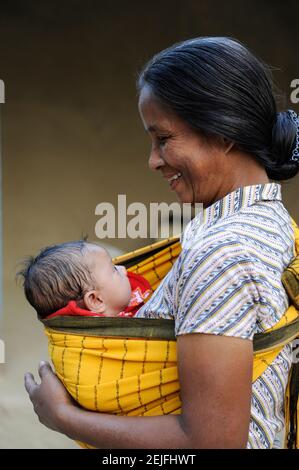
154,115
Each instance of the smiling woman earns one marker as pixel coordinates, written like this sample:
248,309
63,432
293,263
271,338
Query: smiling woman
209,108
190,160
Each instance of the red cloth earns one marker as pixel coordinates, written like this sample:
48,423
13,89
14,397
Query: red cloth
141,289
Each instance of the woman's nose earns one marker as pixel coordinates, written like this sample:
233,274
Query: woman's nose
155,161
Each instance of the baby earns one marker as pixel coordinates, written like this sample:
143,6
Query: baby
79,278
130,372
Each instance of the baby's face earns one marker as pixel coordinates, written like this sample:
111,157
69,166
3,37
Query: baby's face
112,283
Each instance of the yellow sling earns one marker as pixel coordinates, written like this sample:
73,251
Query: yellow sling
127,366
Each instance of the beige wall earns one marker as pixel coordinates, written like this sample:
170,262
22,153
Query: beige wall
72,136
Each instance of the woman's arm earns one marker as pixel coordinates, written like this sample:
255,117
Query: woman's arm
215,374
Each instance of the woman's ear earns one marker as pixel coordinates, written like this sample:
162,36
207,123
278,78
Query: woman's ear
228,145
94,302
224,145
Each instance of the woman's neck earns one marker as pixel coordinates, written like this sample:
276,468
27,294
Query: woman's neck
243,171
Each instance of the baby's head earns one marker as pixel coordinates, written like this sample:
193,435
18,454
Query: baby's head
79,271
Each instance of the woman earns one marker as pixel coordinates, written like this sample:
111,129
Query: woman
216,136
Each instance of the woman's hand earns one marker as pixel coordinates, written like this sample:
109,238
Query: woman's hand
50,398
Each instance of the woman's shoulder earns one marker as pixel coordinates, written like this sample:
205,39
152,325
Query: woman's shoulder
252,233
213,245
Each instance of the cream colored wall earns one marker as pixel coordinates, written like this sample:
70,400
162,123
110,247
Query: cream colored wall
72,138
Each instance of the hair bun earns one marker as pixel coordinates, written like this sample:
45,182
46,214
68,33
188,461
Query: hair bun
295,119
285,145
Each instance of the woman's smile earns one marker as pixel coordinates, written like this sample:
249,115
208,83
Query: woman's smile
173,180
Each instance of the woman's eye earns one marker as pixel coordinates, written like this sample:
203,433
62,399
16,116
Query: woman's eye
162,140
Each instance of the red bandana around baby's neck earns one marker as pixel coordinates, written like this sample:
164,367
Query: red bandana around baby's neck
141,290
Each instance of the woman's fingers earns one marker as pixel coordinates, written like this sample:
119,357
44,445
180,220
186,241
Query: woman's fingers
30,383
47,397
44,369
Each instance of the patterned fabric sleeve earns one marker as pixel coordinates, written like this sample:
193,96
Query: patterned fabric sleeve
217,291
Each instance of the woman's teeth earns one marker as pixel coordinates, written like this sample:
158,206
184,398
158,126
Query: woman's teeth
175,177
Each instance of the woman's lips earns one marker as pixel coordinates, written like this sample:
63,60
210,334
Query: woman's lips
174,180
174,177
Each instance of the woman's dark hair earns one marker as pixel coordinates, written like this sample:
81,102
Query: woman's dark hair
221,89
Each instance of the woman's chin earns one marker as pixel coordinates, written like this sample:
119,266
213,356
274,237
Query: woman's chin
184,197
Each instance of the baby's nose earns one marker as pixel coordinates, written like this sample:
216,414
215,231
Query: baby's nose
124,270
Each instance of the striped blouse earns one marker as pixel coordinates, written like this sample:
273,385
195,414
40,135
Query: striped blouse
227,281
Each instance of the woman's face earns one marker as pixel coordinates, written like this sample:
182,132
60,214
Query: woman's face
198,168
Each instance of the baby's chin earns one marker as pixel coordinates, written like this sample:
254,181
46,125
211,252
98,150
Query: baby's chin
111,315
126,303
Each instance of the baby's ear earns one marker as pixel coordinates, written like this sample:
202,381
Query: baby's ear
94,302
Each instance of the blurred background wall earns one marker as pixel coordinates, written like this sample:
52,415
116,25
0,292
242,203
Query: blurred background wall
72,137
